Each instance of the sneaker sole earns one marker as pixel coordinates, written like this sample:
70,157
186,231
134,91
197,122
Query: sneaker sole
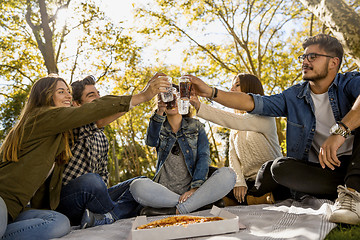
344,219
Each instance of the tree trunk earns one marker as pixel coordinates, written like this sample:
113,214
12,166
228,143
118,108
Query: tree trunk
116,163
342,20
215,145
43,35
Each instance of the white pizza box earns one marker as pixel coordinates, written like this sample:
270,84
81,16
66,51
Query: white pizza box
228,225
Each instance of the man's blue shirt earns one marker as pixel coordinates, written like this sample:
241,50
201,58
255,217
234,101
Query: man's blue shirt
296,104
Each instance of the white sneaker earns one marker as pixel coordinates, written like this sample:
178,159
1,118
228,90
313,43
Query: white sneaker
347,206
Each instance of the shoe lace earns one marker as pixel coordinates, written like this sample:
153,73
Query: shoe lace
101,219
347,199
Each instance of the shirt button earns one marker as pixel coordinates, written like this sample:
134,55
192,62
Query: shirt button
183,139
187,151
332,99
312,130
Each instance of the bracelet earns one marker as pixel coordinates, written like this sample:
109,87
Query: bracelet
216,93
346,127
212,94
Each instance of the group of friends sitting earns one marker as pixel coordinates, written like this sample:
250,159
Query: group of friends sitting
53,168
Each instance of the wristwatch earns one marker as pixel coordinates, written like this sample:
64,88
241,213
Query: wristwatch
336,129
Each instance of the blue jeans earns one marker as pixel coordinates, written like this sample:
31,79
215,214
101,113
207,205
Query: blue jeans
152,194
90,192
37,225
3,217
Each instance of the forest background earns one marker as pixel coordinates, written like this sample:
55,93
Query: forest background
212,39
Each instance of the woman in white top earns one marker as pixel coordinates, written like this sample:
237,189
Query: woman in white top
253,139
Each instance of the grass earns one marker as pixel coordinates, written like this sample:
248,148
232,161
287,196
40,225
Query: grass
344,232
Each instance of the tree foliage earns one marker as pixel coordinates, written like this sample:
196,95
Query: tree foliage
213,39
342,19
250,37
84,43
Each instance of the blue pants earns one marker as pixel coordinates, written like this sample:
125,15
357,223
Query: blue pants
90,192
35,225
3,217
152,194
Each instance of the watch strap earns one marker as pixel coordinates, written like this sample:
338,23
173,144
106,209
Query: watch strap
337,130
346,127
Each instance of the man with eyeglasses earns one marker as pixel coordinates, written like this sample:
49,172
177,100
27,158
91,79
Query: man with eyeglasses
323,137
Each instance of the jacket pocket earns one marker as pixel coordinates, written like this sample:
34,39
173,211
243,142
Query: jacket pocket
192,137
296,135
163,140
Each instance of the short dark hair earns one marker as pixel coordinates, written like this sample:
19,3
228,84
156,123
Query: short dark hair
79,86
329,44
249,83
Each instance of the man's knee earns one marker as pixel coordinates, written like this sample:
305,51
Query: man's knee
91,182
280,168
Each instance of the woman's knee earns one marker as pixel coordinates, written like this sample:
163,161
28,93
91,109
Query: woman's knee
3,217
139,185
40,224
61,225
228,175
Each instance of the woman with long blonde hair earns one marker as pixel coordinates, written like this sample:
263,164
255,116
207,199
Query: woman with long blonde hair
35,150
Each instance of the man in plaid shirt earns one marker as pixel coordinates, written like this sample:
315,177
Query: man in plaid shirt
85,198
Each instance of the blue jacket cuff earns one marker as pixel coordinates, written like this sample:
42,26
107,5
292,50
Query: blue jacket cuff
259,103
197,183
156,117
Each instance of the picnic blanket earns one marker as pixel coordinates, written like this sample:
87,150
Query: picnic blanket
289,219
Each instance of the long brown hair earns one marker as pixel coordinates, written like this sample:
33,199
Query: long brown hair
40,97
249,83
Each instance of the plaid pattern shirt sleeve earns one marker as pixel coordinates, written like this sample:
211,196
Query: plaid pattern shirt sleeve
89,152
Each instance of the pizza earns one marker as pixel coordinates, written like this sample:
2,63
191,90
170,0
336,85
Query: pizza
178,221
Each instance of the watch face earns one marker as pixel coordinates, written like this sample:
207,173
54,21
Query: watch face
333,128
337,130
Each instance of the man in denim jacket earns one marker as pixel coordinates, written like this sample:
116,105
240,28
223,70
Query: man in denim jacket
323,148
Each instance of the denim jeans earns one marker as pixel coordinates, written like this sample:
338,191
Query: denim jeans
3,217
37,225
90,192
152,194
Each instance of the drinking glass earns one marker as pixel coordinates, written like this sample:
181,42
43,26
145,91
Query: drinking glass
185,87
168,95
172,104
183,106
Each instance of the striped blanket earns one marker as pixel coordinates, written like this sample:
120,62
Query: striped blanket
288,219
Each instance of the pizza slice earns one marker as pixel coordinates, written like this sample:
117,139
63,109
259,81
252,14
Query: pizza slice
178,221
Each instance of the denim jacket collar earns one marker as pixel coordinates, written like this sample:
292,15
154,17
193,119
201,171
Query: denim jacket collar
305,89
184,125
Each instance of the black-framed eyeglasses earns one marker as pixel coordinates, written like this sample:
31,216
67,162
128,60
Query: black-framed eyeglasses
311,57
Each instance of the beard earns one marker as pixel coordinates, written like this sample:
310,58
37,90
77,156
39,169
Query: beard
318,75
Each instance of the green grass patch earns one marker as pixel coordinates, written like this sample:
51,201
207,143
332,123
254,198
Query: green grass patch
344,232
